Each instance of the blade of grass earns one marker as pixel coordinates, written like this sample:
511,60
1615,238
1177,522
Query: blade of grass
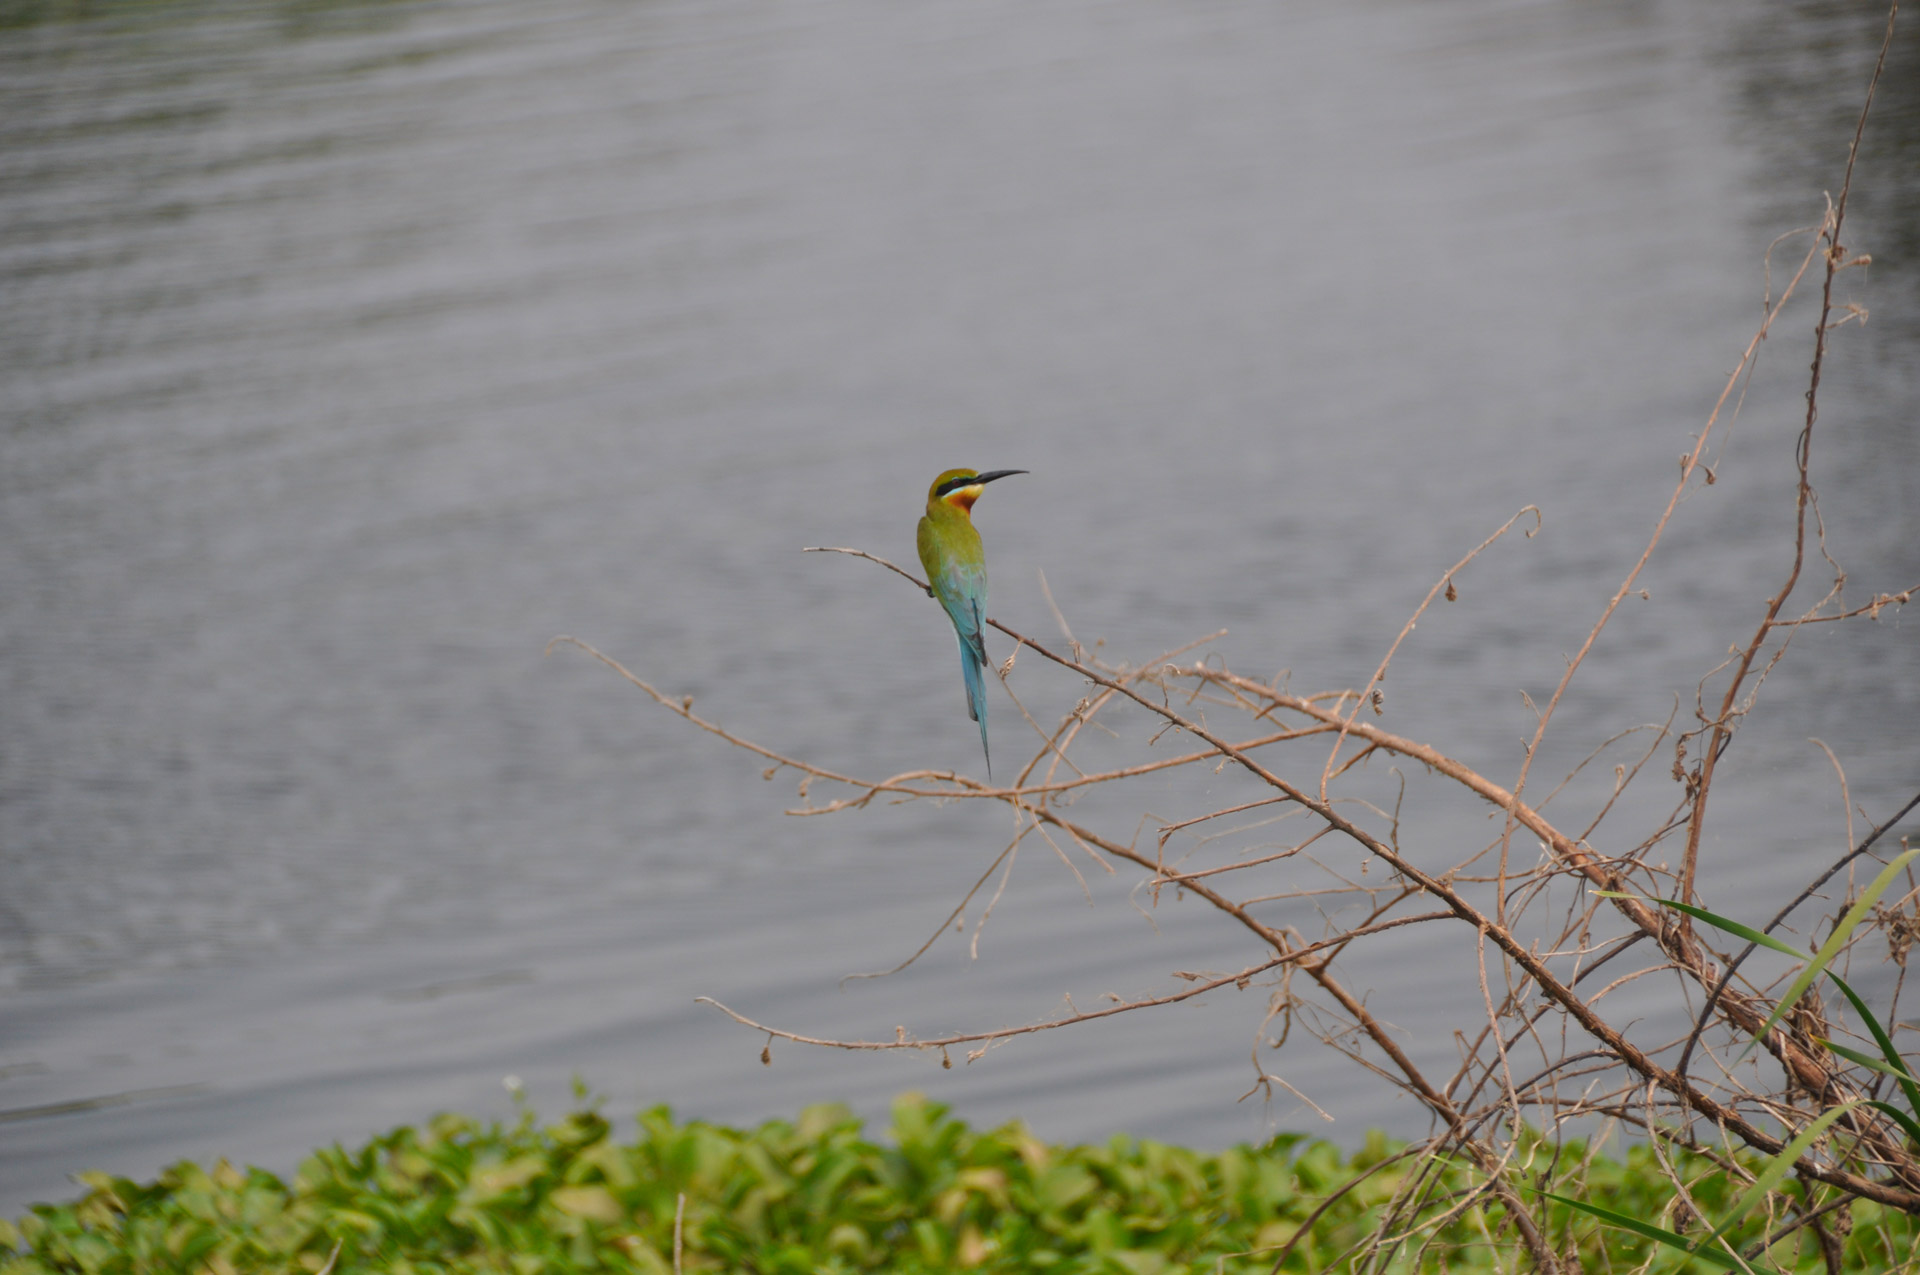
1902,1075
1900,1118
1672,1239
1752,935
1893,1065
1777,1168
1719,922
1770,1176
1842,932
1866,1060
1909,1084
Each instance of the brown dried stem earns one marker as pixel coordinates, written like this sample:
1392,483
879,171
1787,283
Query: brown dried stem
1550,1047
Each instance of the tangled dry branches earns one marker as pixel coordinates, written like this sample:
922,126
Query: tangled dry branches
1550,911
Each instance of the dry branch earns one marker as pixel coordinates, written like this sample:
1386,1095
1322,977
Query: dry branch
1543,925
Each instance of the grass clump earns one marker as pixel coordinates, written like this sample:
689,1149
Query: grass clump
813,1195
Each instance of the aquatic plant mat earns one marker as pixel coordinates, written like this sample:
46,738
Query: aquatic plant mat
816,1195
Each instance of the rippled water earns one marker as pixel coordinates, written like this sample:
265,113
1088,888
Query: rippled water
353,350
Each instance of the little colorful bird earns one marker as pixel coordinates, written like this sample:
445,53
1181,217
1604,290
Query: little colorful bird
957,571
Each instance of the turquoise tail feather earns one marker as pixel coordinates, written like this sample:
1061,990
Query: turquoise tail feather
973,665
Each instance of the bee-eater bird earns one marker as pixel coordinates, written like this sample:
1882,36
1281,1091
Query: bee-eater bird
957,570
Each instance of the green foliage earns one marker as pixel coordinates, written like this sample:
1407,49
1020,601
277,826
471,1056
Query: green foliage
814,1195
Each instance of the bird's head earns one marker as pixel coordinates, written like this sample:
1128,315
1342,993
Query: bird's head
961,487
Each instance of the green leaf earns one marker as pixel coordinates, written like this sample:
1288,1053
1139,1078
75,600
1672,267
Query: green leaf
1838,939
1900,1117
1818,962
594,1203
1734,927
1778,1167
1865,1060
1909,1084
1672,1239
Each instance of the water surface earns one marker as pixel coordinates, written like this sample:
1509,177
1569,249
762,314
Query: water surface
352,351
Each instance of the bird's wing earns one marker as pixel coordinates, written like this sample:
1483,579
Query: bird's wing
962,588
963,592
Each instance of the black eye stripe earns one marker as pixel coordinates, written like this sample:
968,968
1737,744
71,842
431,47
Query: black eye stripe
955,484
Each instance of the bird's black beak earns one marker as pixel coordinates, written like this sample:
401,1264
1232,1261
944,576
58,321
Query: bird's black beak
997,473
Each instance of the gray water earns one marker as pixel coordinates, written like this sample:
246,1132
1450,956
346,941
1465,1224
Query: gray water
351,351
